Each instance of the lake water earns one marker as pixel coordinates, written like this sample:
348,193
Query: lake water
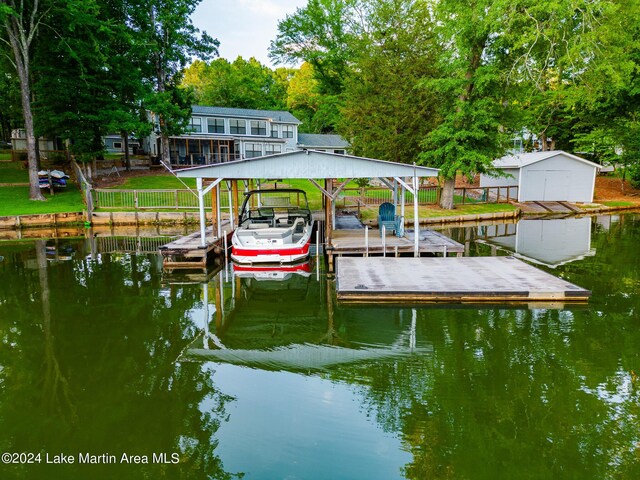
104,358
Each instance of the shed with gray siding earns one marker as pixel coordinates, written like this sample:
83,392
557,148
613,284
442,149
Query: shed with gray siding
551,176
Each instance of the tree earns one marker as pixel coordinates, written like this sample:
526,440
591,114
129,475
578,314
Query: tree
240,84
385,114
21,23
173,40
473,126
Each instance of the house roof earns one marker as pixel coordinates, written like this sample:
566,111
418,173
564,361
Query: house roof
306,164
318,140
520,160
275,115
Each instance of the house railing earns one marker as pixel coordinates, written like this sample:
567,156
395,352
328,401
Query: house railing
197,159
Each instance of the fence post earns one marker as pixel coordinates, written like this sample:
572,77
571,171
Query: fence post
177,201
135,199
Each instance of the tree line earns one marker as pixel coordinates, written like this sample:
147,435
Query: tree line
451,83
83,68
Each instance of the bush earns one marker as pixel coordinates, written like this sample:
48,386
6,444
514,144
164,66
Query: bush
634,175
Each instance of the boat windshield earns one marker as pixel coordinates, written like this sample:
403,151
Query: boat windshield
281,206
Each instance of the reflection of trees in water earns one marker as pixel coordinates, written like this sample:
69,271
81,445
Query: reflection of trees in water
509,393
109,335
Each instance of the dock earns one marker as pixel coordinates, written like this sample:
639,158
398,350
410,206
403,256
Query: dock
355,242
188,252
450,280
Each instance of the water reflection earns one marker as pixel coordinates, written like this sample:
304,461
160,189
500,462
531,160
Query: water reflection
97,355
550,242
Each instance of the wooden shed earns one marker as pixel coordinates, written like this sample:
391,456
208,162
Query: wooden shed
551,176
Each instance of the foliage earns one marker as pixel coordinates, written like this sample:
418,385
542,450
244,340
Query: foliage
238,84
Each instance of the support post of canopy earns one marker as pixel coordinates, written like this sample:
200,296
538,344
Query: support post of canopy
402,202
416,218
218,213
215,218
395,195
234,199
203,220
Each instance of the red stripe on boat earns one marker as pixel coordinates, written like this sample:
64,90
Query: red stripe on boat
275,251
294,268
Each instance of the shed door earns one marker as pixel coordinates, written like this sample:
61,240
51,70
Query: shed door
547,185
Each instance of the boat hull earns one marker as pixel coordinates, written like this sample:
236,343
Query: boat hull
266,254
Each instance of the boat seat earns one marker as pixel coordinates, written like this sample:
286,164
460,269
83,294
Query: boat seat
258,226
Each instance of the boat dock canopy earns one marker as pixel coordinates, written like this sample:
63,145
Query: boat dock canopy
306,164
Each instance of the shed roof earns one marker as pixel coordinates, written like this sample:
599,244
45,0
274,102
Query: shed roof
307,164
321,140
274,115
520,160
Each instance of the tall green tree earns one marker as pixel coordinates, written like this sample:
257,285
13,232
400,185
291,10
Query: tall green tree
473,126
240,84
385,114
173,40
21,22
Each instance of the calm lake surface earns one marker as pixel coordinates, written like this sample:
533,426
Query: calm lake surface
102,355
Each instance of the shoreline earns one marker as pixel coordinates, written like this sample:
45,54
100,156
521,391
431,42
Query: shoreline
19,222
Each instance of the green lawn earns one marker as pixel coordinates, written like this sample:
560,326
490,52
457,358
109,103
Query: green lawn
618,204
15,201
5,155
13,172
155,182
434,212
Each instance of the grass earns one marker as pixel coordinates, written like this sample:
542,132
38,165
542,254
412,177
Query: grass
13,172
618,204
5,155
15,201
155,182
435,212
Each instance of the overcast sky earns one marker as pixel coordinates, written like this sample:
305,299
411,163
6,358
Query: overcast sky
243,27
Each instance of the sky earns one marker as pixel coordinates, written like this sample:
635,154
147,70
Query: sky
243,27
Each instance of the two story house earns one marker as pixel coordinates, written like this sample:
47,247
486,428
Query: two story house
221,134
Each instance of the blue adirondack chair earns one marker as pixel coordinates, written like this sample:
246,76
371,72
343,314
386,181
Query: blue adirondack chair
392,222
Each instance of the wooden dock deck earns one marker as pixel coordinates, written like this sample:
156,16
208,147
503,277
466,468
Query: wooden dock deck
450,280
352,242
187,251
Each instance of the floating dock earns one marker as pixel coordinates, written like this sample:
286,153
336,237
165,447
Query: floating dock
188,251
450,280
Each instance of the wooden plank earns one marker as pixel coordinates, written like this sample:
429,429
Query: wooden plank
468,279
353,241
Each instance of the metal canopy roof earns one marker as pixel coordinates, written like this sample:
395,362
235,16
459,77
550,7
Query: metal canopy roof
306,164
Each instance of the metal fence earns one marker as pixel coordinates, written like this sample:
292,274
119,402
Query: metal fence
153,199
131,244
367,196
363,197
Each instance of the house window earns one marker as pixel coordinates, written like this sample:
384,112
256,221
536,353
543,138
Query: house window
252,150
287,131
271,149
238,126
258,127
274,131
195,125
117,144
215,125
340,152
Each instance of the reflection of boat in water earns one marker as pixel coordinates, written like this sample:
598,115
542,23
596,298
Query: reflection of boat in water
270,272
275,227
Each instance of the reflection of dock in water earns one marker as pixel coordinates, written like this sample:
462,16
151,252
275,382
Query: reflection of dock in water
289,324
